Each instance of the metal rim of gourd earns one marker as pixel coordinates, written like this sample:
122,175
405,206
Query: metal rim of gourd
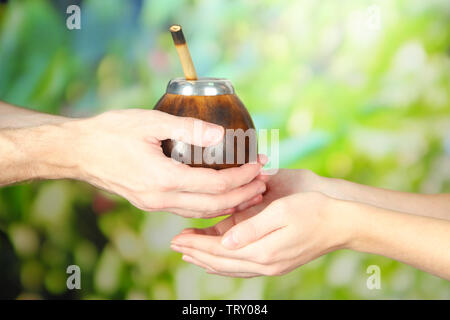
204,86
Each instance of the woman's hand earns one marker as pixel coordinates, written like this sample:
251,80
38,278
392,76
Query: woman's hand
288,229
293,226
286,182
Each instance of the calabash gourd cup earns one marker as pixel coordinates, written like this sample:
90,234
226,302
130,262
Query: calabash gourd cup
212,100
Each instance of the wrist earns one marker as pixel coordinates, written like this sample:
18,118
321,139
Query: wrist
335,188
303,180
50,149
345,223
308,181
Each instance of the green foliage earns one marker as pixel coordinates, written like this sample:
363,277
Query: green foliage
351,100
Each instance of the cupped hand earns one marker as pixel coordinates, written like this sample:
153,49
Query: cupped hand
120,151
284,183
288,229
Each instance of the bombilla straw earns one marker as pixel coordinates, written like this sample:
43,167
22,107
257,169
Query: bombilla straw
183,52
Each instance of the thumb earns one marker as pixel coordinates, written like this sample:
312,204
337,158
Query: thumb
251,229
187,129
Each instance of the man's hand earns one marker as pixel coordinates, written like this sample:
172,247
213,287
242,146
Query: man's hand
120,151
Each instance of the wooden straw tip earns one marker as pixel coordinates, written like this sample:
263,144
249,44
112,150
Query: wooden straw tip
175,28
177,34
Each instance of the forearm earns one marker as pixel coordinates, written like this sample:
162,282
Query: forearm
17,117
431,205
33,146
419,241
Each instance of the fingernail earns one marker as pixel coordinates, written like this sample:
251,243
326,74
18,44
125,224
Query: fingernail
228,211
244,205
249,203
214,135
256,199
188,230
187,258
229,241
263,177
263,159
175,248
262,189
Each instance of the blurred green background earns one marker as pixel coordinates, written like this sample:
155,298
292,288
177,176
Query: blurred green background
358,89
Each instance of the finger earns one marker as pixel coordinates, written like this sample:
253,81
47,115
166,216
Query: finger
209,231
205,180
250,203
253,228
191,231
211,244
216,230
219,228
263,177
205,231
263,159
214,181
186,129
262,251
209,202
189,259
223,225
246,275
208,243
220,264
196,262
195,214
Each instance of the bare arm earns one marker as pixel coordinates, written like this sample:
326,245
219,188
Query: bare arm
429,205
419,241
17,117
33,146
